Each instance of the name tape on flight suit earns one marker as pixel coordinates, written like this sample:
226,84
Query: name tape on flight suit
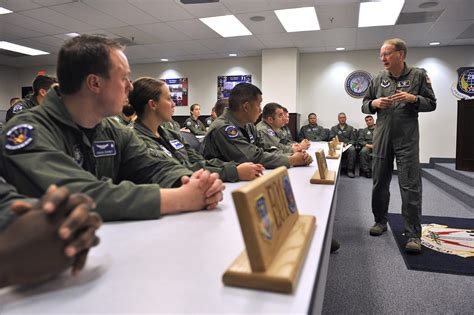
104,148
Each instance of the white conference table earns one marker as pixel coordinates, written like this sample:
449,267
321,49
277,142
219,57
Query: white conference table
175,264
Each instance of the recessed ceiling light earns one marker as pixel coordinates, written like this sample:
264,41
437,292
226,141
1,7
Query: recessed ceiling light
299,19
428,4
340,48
4,11
232,55
164,59
21,49
72,34
435,43
226,26
384,12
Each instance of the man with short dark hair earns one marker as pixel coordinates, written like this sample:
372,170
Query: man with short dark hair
312,131
71,142
397,95
233,136
267,128
211,118
347,135
41,85
220,106
365,142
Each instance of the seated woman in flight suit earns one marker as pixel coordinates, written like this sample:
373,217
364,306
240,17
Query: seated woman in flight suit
153,105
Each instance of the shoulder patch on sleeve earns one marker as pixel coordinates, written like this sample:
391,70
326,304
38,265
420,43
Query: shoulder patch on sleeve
231,131
17,108
19,137
189,123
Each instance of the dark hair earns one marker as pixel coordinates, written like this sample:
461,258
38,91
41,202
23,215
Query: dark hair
241,93
368,116
128,110
284,109
43,82
81,56
220,106
269,110
194,106
312,114
144,89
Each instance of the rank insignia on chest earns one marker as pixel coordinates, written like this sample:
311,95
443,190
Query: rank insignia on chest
231,131
19,137
368,132
104,148
166,151
270,132
385,83
176,144
402,84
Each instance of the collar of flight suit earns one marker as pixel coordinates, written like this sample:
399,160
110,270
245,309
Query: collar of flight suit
405,72
141,129
55,107
228,117
268,125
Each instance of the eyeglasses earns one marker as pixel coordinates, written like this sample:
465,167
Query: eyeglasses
386,54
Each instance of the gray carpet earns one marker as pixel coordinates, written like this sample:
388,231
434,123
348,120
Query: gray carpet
368,275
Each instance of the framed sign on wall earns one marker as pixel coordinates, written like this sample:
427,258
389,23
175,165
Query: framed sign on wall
179,90
225,84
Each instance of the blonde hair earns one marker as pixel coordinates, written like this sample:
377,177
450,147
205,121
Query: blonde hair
399,44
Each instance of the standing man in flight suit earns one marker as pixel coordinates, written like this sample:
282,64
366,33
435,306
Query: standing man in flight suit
312,131
347,135
41,85
70,140
366,145
397,95
233,136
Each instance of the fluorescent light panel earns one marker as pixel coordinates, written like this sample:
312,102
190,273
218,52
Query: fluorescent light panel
384,12
4,11
340,48
226,26
232,55
164,59
21,49
434,43
299,19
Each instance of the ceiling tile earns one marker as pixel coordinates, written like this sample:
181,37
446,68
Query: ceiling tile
122,10
58,19
32,24
32,43
194,29
307,39
469,41
163,10
312,50
87,14
339,37
245,6
235,44
338,16
15,5
204,9
411,31
373,35
163,32
192,47
165,50
278,40
285,4
458,11
10,31
444,30
47,3
270,25
134,34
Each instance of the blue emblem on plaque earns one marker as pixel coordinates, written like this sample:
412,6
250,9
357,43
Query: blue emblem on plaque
265,222
357,83
290,198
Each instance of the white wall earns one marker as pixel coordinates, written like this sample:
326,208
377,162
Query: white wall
322,77
201,74
9,86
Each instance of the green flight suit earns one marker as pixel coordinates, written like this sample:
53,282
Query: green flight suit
347,135
172,124
228,141
195,126
24,105
284,133
8,194
119,119
110,163
365,154
171,144
396,136
270,139
313,133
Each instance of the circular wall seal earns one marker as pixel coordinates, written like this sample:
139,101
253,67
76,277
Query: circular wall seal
357,83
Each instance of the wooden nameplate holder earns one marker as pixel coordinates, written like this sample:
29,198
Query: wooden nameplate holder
337,142
332,151
276,237
322,174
